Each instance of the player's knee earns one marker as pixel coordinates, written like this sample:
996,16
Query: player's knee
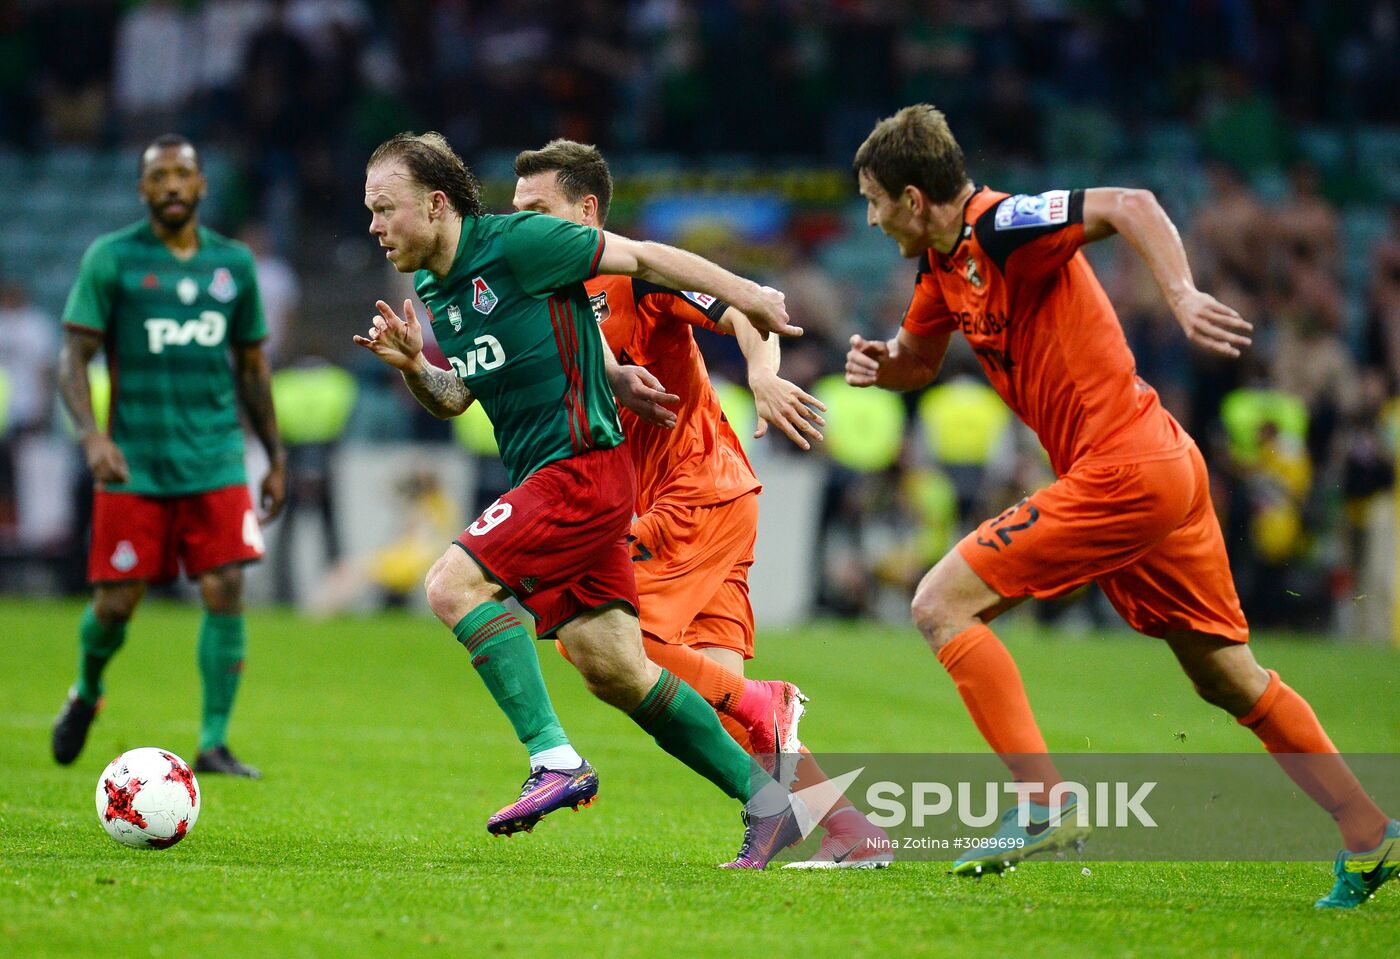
1210,692
114,607
445,599
451,595
931,619
222,590
1224,692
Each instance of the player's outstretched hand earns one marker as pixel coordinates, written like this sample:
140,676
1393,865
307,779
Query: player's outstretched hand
273,493
398,342
790,409
105,459
768,314
864,359
1211,324
642,393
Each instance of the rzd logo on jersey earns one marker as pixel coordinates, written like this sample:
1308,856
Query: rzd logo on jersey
208,330
488,355
483,298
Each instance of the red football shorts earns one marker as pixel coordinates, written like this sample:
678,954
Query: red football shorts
1146,533
149,538
692,565
558,541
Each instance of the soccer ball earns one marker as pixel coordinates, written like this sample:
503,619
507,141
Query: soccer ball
147,798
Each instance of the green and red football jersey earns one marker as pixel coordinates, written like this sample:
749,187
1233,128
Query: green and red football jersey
513,318
168,325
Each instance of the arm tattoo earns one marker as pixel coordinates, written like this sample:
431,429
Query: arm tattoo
255,393
78,351
439,391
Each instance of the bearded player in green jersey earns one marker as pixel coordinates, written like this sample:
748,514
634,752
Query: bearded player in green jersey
169,300
507,303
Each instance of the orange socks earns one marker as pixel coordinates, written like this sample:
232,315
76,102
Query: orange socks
1289,729
990,685
733,727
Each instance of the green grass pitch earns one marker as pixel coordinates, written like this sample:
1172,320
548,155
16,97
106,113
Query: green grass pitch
383,756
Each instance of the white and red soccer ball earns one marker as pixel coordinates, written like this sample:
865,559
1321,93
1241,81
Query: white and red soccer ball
148,798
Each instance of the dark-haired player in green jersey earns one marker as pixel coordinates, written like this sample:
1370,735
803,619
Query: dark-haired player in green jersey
169,300
507,304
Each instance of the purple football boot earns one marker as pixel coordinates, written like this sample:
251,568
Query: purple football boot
764,838
543,792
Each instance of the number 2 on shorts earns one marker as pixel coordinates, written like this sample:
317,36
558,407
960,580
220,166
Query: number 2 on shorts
1004,531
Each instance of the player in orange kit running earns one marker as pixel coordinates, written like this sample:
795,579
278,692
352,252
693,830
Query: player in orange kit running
1131,508
697,495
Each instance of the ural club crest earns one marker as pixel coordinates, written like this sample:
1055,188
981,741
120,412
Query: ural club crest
483,297
223,288
454,316
973,275
599,302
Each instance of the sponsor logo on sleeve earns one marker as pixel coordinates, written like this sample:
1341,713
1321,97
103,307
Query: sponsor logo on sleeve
1022,211
702,300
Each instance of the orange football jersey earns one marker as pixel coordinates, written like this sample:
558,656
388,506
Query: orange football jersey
1024,295
700,461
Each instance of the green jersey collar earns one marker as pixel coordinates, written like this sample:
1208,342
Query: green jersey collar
201,234
467,237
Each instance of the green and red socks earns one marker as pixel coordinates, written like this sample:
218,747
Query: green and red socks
687,727
503,655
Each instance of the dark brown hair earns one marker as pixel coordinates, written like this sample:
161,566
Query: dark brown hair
580,170
434,165
914,148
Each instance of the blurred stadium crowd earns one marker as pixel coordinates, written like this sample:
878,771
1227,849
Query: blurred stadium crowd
1269,129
